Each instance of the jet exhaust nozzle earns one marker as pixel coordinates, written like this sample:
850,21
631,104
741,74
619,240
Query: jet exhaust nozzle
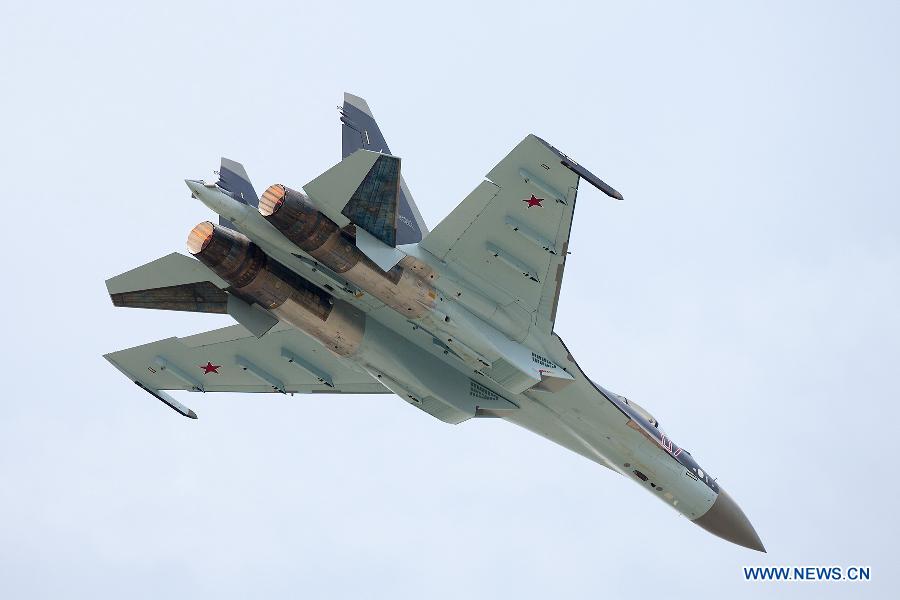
305,226
294,215
231,255
258,279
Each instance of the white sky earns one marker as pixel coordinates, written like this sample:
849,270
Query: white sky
746,292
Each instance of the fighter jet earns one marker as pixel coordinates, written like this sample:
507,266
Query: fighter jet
340,288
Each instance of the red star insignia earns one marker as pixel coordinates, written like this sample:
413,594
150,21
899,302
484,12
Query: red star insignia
210,368
534,201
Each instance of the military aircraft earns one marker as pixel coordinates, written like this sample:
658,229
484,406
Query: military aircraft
341,289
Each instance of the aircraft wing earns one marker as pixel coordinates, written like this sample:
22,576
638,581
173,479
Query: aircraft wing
511,234
231,359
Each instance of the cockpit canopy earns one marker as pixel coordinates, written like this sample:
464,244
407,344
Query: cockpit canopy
641,411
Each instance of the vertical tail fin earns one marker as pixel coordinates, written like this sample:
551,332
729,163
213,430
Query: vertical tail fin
360,131
233,178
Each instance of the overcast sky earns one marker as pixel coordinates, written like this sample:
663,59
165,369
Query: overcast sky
745,292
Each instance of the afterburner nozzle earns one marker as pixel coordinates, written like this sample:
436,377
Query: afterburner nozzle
272,199
199,237
298,218
293,214
257,279
231,255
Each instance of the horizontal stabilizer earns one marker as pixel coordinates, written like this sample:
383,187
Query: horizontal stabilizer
176,282
202,296
173,270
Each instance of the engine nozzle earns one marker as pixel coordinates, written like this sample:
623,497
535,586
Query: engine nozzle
303,224
294,215
256,278
231,255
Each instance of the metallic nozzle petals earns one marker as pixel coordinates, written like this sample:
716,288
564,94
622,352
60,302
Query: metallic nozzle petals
231,255
258,280
200,237
293,214
271,200
726,520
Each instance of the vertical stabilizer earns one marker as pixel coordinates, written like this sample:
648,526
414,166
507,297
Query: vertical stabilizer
360,131
233,179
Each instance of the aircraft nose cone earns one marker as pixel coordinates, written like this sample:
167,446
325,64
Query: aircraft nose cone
726,520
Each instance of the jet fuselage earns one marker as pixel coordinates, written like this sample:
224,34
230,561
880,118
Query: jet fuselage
443,347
